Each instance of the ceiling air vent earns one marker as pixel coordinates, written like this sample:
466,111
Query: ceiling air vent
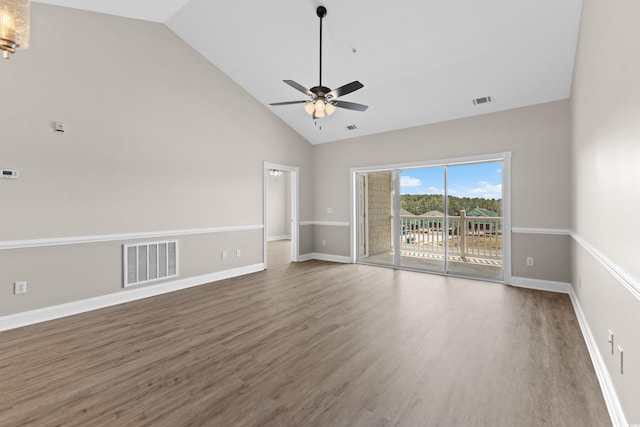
352,127
483,100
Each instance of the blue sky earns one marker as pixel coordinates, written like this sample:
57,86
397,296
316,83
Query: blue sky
472,180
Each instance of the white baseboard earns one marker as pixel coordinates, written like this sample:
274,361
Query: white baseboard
332,258
325,257
618,418
542,285
76,307
282,237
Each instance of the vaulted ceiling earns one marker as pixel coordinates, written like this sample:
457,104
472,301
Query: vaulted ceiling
421,61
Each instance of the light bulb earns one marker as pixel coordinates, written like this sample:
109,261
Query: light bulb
14,25
310,108
7,26
319,105
329,108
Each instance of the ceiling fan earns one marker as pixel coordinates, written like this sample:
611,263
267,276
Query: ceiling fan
323,100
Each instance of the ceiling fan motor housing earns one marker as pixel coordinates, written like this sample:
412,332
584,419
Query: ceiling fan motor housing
320,90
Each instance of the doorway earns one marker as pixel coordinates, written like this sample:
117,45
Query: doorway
447,217
280,209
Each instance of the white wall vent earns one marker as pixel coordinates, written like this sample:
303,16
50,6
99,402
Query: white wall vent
147,262
483,100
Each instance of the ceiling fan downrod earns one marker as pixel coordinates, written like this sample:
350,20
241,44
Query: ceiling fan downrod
321,11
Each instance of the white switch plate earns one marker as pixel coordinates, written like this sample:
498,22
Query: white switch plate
224,254
611,341
238,253
621,351
19,288
530,261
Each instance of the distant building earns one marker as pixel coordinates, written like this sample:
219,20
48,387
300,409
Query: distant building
478,225
482,212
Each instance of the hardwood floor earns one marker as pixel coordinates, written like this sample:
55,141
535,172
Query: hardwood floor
309,344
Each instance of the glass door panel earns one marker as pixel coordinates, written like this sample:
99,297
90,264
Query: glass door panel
375,217
422,229
474,216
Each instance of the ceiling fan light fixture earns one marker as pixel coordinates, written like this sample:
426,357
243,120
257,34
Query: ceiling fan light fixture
14,26
310,108
323,99
329,108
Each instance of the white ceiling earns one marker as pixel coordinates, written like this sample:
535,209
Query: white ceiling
147,10
421,61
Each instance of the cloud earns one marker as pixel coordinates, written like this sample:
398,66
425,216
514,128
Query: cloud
435,190
486,190
408,181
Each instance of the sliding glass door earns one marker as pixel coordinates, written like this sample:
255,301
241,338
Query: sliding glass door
422,222
474,215
445,219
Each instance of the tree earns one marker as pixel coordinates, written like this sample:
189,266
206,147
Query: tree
419,204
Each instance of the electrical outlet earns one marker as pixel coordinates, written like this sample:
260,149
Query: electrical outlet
611,341
238,253
621,351
224,254
324,242
530,261
19,288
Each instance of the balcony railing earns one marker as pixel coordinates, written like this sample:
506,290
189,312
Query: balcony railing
467,237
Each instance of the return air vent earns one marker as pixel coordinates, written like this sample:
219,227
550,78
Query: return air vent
483,100
146,262
352,127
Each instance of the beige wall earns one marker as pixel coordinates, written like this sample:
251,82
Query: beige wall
331,240
156,140
538,138
551,253
606,176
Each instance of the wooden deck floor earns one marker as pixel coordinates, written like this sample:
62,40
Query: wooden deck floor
487,269
309,344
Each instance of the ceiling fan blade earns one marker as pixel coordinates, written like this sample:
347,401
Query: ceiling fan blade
298,86
350,105
343,90
289,103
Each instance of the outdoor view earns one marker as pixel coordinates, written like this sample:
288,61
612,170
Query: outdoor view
459,235
473,218
470,186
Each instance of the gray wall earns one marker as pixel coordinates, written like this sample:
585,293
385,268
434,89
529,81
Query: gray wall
156,141
278,206
538,138
606,176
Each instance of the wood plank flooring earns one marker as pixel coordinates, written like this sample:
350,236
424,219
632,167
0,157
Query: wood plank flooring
309,344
